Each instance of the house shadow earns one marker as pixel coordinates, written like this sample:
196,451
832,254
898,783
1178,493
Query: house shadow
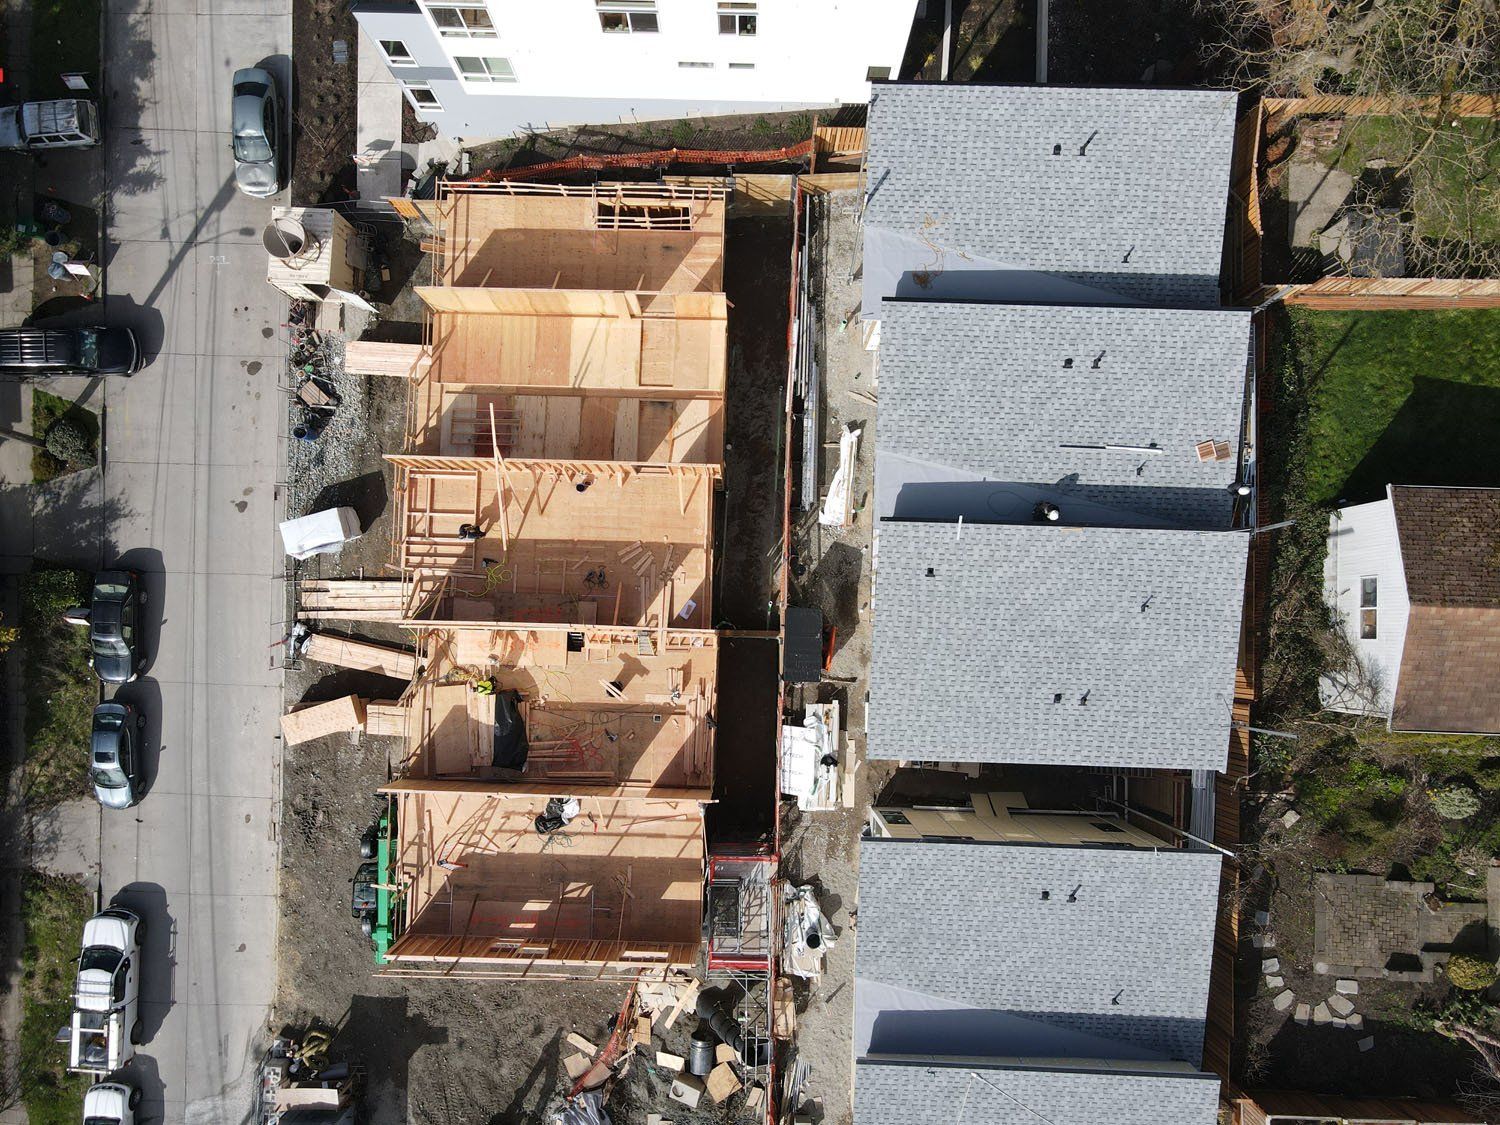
158,952
1443,434
366,494
380,1035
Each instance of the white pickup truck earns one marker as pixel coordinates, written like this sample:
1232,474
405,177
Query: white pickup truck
64,123
106,996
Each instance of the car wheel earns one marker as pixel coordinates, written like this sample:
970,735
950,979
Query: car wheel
135,1097
135,1032
140,721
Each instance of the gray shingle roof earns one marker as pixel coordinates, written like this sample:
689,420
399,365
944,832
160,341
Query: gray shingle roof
967,661
1127,961
964,189
982,389
924,1093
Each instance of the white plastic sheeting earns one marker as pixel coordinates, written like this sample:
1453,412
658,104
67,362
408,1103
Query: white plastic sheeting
806,752
320,533
838,506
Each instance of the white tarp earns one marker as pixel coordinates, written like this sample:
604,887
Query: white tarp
838,507
805,772
806,935
320,533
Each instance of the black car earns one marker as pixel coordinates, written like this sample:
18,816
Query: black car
115,625
115,755
69,351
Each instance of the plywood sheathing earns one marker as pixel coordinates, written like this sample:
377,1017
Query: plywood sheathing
552,242
547,573
605,345
653,735
307,723
399,361
472,863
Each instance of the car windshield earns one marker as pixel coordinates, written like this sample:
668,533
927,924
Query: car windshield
109,590
100,957
109,777
251,149
88,348
107,721
110,645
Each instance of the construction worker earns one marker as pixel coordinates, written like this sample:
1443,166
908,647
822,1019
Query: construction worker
485,686
470,532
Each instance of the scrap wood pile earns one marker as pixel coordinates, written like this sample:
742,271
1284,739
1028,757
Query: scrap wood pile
714,1071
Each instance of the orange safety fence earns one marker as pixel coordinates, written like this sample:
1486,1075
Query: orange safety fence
654,159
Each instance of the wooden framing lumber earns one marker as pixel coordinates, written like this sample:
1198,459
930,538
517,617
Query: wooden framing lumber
344,714
364,656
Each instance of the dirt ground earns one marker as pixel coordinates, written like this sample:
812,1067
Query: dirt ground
832,572
323,102
488,1052
1273,1051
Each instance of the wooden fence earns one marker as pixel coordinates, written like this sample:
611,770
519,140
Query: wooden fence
1383,293
1244,202
1278,110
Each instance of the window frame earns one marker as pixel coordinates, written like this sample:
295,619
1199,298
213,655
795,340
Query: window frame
1369,603
404,59
485,76
464,31
411,89
735,16
627,12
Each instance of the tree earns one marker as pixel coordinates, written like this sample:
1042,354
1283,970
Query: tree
1417,57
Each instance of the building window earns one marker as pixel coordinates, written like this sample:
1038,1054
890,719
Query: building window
464,20
421,95
736,19
396,53
1367,599
742,66
628,17
696,65
485,69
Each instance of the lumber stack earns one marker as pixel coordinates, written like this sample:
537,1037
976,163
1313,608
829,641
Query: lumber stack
387,717
350,599
363,656
317,719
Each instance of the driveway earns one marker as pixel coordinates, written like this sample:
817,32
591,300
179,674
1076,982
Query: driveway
189,496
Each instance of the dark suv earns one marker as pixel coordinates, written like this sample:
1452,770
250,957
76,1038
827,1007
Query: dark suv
114,625
69,351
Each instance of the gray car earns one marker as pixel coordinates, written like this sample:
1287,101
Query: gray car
255,124
115,755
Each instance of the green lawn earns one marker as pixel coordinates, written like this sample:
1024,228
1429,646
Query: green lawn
1397,397
61,690
1459,168
64,40
53,913
47,408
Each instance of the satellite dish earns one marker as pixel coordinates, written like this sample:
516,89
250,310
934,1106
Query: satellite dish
287,240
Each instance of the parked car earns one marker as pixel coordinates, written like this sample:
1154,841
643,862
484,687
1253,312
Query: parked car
106,1026
115,755
111,1103
64,123
69,351
255,124
114,625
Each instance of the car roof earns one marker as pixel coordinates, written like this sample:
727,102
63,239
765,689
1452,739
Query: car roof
27,347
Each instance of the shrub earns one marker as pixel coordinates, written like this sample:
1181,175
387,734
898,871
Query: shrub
1470,972
70,443
1455,802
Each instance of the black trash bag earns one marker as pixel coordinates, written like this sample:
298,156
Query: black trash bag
510,732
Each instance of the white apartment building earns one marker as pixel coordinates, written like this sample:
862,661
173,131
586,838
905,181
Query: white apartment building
492,68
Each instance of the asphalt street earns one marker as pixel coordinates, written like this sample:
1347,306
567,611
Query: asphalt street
189,496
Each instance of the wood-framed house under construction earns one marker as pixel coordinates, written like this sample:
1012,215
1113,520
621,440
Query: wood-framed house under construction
567,406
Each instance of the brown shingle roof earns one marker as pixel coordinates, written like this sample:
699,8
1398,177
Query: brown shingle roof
1450,544
1450,671
1450,664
